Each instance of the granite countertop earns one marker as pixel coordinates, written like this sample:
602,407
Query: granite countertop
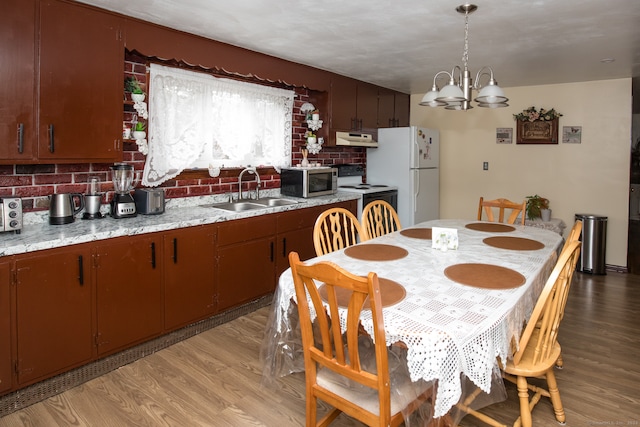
37,234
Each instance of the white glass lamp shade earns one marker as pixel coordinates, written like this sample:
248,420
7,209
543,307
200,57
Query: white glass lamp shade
451,93
491,94
493,105
429,99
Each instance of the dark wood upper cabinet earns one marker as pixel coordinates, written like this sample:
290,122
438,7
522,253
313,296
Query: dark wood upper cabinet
17,81
393,108
80,83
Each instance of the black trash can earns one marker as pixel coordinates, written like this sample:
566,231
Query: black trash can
594,240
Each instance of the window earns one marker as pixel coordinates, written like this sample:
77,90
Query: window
197,121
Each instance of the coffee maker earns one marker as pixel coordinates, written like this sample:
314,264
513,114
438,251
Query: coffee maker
123,205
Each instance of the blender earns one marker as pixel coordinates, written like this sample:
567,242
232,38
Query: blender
123,205
92,199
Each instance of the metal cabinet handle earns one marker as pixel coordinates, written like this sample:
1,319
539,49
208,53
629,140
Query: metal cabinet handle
21,138
153,255
284,246
80,270
271,256
52,146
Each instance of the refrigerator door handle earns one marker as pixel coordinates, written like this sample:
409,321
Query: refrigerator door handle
416,180
415,158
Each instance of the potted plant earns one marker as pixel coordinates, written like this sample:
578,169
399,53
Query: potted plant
132,85
538,207
139,130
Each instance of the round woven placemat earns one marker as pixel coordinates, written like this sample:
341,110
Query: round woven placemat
485,276
490,227
390,293
376,252
417,233
513,243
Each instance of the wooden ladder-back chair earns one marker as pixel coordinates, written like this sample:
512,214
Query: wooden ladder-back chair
379,218
501,205
333,361
336,228
538,347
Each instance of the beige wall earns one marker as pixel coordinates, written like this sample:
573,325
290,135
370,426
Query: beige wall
591,177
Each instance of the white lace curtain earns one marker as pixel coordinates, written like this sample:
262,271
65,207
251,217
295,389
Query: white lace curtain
197,120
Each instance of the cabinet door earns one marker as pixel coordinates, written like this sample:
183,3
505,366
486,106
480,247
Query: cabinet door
344,92
53,316
402,109
246,260
81,89
5,328
367,108
129,291
386,108
17,80
189,261
295,233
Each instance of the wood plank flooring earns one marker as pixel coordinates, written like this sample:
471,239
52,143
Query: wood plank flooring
213,379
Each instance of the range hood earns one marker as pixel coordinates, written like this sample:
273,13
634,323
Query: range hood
355,139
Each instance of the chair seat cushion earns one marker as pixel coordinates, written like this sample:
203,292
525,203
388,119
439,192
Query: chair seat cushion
403,392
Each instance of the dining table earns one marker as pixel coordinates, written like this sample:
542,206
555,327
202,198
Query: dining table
456,308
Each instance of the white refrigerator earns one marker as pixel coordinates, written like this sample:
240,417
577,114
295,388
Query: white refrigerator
408,158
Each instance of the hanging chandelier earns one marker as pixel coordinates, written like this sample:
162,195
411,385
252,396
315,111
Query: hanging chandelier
456,95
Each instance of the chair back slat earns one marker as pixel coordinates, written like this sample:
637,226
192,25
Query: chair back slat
548,312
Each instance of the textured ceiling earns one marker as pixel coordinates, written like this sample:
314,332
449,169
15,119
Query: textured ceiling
401,44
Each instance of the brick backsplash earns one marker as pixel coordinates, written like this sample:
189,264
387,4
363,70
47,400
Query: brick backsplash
34,183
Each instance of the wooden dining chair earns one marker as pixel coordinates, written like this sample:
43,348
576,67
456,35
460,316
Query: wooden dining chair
538,348
379,218
501,205
334,362
336,228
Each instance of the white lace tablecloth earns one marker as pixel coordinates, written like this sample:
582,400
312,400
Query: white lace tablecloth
449,328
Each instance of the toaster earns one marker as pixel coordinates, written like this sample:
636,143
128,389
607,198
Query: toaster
149,201
11,214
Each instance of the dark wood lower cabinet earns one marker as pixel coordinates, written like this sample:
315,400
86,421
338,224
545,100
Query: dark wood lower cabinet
75,304
5,328
246,260
128,291
189,278
53,312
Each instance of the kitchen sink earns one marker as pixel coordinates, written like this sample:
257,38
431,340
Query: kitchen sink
238,206
247,205
276,201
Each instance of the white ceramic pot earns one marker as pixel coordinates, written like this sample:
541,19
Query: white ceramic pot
546,215
139,134
137,97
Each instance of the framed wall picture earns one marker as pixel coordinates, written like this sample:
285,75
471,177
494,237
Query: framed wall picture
572,134
504,135
537,132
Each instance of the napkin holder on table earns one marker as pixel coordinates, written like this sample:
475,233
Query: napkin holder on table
444,238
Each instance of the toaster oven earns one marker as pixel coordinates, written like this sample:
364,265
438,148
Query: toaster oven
11,214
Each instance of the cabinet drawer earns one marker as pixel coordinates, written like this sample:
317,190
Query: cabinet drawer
242,230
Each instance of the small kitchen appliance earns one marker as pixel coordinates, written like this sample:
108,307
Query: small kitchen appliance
92,200
63,207
149,201
123,205
11,214
308,181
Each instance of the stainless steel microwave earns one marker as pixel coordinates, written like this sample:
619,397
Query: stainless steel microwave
308,182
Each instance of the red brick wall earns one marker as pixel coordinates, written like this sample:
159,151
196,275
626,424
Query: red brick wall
33,183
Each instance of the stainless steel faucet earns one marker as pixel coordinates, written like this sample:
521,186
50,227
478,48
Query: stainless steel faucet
253,171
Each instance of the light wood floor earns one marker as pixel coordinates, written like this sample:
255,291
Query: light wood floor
213,379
